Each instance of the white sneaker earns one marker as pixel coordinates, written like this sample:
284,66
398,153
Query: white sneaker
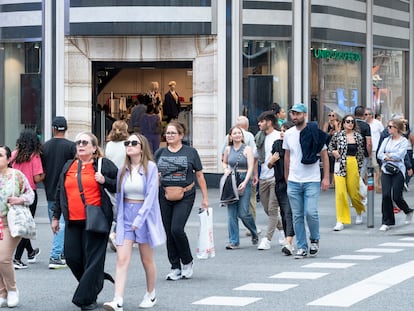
288,249
358,219
12,299
174,275
3,302
148,302
264,244
409,218
384,228
281,237
187,271
112,306
338,227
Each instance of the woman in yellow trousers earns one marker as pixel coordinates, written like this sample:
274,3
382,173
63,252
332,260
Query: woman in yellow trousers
346,146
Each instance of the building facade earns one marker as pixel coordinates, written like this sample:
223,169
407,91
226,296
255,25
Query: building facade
82,59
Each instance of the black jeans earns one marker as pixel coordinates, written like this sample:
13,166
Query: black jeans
174,217
85,255
25,244
392,189
285,210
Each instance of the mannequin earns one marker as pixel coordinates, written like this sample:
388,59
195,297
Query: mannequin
171,106
156,97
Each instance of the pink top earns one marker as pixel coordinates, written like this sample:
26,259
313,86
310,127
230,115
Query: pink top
29,169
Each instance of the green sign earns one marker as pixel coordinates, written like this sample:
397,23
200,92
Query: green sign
337,55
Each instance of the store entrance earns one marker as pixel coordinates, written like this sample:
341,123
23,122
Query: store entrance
117,86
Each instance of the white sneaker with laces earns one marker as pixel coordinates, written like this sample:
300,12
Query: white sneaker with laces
409,218
148,302
113,306
264,244
358,219
338,227
3,302
384,228
12,299
187,271
281,237
174,275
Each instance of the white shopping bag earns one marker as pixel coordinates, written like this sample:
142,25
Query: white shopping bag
205,246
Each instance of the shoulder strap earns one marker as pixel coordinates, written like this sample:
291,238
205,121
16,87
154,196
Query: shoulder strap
82,195
99,165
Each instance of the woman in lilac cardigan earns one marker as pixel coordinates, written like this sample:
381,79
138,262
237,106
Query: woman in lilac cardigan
138,218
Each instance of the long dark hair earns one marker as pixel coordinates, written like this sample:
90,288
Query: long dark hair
27,144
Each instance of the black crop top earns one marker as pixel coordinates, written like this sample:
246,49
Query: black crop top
351,150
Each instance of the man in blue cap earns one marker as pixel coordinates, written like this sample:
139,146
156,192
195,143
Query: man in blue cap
305,145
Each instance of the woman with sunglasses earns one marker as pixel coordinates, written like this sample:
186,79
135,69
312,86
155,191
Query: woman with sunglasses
332,126
392,151
346,146
138,219
85,250
179,165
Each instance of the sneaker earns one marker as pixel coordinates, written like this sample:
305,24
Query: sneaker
232,246
111,242
31,258
281,237
364,201
18,264
255,240
3,302
57,263
248,233
384,228
301,253
174,275
358,219
259,231
314,248
12,299
148,302
264,244
186,272
112,306
338,227
287,249
409,218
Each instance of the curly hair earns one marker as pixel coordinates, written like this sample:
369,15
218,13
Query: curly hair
27,144
119,131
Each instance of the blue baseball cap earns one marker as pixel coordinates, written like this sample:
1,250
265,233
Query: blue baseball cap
300,107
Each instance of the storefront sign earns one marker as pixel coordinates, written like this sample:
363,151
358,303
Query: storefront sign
337,55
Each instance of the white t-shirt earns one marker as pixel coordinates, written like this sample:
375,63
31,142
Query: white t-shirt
116,152
265,172
376,130
299,172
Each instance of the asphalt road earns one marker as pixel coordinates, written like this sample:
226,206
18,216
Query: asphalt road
380,279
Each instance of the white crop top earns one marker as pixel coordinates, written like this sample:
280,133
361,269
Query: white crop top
134,186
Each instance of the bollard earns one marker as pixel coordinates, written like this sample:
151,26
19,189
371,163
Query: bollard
370,197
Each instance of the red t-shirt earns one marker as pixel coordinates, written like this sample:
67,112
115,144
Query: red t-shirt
91,190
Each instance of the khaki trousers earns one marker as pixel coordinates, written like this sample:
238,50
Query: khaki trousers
270,205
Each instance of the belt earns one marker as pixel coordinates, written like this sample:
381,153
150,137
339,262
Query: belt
189,187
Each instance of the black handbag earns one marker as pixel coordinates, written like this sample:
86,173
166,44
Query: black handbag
95,218
391,168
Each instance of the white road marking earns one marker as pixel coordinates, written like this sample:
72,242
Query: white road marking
329,265
368,287
380,250
299,275
355,257
407,239
227,301
397,244
266,287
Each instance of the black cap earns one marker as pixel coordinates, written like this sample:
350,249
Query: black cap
60,124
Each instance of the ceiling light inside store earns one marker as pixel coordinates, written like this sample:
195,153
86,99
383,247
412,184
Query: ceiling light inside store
36,45
272,45
245,44
189,73
1,47
261,44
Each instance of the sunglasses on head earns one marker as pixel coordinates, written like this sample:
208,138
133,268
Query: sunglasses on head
132,142
82,142
349,121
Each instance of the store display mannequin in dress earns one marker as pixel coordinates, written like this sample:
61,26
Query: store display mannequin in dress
171,105
156,97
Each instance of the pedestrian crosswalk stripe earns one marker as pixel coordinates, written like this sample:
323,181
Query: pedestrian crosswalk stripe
227,301
266,287
397,244
380,250
368,287
407,239
355,257
329,265
299,275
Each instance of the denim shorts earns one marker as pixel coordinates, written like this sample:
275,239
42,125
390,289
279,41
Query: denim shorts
140,235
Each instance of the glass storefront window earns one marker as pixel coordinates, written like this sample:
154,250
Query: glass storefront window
388,83
21,90
336,80
265,77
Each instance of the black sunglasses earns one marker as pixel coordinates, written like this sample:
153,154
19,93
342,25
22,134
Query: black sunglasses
132,142
82,142
391,126
349,121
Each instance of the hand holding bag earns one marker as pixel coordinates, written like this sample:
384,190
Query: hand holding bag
95,217
391,168
205,246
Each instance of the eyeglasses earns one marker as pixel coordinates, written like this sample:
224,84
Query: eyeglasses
171,133
349,121
391,126
133,143
331,115
82,142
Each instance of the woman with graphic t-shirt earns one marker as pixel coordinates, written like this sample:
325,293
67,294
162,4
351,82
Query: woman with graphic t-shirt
179,165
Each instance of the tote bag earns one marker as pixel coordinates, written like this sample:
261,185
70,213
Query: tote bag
205,246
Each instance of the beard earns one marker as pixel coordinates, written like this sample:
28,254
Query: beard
299,122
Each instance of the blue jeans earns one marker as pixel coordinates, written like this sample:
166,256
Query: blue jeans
58,239
240,209
303,198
